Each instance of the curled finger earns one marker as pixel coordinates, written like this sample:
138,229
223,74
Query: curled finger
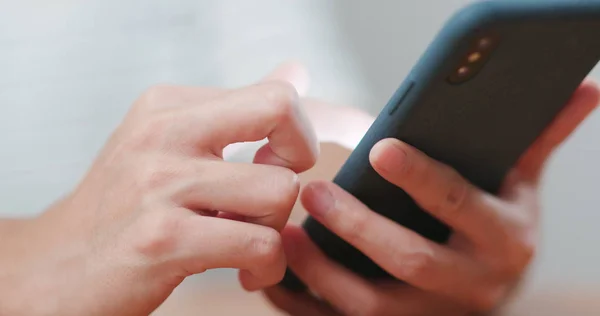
192,244
258,194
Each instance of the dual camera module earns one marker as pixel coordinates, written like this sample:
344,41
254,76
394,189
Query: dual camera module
474,61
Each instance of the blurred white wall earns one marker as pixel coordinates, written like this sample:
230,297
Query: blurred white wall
70,68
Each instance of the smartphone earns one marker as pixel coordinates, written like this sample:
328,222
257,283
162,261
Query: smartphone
492,80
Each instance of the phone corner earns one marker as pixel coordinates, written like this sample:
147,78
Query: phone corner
474,16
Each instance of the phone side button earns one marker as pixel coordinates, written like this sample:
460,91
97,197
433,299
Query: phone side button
401,96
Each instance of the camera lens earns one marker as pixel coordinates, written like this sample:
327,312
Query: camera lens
474,57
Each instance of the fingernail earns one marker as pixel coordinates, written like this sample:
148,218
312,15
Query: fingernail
390,156
318,200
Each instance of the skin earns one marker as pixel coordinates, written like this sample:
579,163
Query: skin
160,204
494,242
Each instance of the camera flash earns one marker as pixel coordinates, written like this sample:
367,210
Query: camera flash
485,42
474,57
462,71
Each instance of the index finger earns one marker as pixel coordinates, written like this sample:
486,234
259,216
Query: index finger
266,110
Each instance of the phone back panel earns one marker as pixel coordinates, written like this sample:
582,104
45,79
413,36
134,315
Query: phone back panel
480,127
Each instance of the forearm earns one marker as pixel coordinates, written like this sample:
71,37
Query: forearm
13,249
11,241
27,246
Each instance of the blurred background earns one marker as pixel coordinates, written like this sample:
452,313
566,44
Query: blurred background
69,70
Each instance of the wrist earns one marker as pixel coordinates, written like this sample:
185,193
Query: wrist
30,249
14,249
12,238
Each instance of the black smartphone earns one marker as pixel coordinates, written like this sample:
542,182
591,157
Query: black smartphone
493,79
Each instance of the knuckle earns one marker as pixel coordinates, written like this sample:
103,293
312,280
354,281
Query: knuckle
452,201
353,224
286,188
520,255
154,174
282,97
414,265
155,95
267,246
150,132
157,235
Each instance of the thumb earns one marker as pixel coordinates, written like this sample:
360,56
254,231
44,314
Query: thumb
293,72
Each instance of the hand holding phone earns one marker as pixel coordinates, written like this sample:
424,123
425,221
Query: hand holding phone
490,84
434,289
